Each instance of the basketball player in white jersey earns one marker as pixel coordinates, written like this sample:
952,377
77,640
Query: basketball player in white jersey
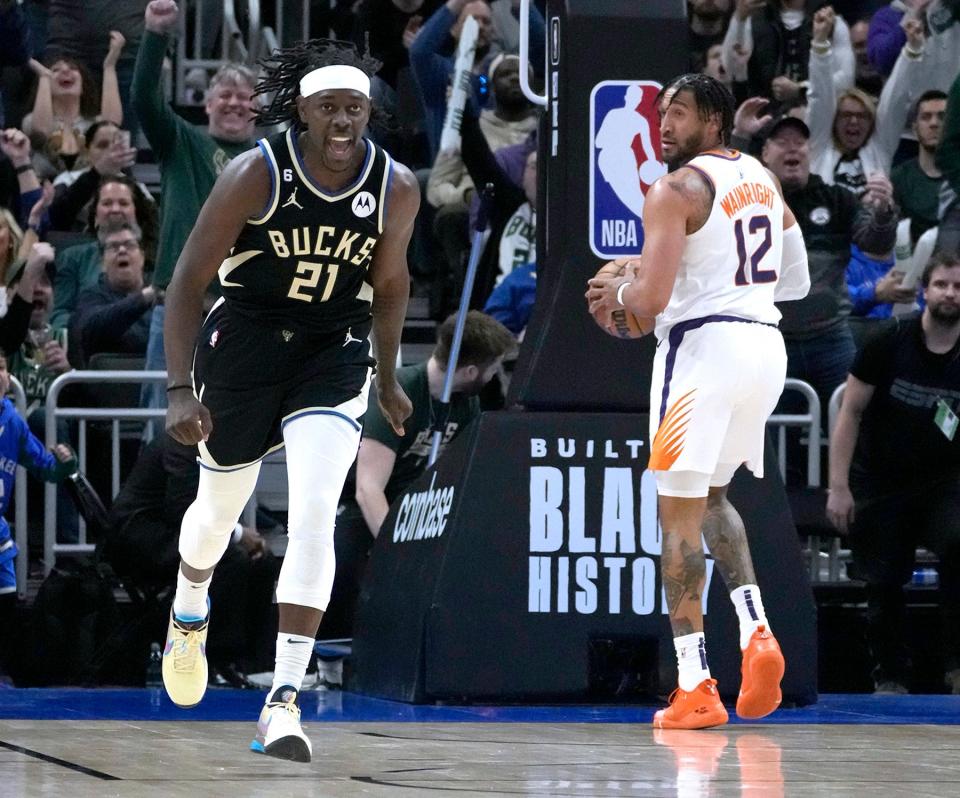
720,246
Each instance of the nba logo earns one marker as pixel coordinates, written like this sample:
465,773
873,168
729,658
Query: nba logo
624,163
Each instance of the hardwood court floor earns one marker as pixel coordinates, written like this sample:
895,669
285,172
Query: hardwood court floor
845,746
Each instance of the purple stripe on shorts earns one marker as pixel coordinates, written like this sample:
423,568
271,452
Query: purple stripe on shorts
674,340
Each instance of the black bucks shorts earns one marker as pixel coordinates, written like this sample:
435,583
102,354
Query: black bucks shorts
255,378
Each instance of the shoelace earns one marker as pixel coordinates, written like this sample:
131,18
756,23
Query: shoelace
290,706
185,652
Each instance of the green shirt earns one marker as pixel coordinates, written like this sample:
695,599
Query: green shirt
918,196
190,159
948,153
413,448
78,267
29,369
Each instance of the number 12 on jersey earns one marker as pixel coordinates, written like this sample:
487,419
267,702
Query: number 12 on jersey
308,278
757,275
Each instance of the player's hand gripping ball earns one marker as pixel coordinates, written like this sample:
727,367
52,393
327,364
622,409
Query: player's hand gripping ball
621,323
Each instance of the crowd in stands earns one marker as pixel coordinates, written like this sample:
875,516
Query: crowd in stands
854,106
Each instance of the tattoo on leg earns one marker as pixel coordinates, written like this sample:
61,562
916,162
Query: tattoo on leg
725,535
684,571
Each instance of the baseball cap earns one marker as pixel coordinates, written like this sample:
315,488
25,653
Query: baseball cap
788,122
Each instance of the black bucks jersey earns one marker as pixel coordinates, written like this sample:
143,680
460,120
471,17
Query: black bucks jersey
304,261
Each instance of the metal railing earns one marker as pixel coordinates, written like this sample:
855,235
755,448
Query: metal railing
20,497
51,547
810,420
245,47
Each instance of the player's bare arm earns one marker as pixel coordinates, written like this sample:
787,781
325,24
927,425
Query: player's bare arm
676,205
240,193
789,220
375,463
390,278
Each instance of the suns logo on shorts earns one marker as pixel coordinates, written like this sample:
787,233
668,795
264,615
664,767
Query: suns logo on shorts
214,338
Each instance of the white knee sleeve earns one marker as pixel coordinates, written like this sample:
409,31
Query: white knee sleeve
320,450
209,522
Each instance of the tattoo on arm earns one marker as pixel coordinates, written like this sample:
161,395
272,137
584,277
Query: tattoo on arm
697,192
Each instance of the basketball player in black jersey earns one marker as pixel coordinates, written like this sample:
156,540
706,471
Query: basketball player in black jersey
308,234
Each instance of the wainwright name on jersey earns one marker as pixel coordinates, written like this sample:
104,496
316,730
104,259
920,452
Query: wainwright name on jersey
730,266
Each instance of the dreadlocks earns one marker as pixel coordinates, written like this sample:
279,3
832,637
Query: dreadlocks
711,96
285,67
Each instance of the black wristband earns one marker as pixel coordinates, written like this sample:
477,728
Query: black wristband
27,167
178,386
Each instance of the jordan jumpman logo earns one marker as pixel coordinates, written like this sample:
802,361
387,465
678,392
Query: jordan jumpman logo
292,200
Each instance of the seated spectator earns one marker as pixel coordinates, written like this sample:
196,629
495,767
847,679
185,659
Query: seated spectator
895,472
886,37
20,307
107,151
874,285
388,27
707,20
866,78
387,464
850,137
767,47
917,182
190,157
114,315
11,237
42,357
948,162
432,56
512,216
67,103
450,188
819,344
511,302
18,446
141,546
117,199
15,42
714,68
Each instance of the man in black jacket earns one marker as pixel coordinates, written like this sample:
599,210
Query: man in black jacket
141,546
820,347
113,316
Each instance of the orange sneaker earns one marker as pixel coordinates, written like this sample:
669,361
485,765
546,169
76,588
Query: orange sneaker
698,709
761,673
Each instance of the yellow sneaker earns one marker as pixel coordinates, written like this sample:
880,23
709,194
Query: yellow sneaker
185,661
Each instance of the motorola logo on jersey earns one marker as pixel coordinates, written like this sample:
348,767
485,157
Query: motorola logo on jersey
594,533
423,515
624,163
364,204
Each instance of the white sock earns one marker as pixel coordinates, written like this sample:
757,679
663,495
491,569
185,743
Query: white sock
293,656
749,606
691,660
190,602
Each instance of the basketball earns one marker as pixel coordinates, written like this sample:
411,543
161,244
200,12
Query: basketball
625,323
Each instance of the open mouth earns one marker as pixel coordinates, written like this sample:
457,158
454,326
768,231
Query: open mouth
340,146
791,163
123,262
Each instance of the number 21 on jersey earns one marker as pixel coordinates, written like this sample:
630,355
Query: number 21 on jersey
757,226
308,278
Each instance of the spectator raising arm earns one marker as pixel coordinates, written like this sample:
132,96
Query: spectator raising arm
157,119
110,107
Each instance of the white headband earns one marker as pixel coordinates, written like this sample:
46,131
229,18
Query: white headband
338,76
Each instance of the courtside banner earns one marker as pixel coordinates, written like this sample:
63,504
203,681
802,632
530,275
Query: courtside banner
535,537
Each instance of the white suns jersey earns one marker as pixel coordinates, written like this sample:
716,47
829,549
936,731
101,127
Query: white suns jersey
731,265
